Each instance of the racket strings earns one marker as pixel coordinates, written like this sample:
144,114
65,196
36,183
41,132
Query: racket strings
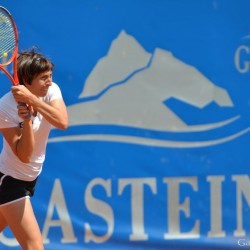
7,38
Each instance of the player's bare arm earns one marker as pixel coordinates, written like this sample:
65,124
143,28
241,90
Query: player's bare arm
21,140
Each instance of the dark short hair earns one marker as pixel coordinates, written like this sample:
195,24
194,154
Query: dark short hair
30,63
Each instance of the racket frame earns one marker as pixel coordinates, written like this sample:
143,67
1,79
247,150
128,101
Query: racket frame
13,58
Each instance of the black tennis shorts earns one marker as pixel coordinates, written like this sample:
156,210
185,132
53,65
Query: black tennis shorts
12,189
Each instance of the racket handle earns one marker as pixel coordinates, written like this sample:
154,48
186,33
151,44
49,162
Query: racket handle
24,104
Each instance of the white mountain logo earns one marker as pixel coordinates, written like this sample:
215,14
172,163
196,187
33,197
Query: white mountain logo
128,88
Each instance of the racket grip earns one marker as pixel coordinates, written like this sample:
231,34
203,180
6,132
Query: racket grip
24,104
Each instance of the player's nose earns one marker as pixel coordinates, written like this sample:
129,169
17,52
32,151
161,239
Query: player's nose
49,81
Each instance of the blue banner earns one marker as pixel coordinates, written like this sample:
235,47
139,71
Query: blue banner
156,155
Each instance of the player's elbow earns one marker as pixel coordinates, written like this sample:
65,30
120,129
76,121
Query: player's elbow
63,125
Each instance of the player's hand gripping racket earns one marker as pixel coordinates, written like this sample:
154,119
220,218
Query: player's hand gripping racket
8,46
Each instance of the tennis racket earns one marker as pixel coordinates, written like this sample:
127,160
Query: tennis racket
8,45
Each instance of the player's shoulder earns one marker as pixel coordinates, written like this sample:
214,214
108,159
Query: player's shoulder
54,86
54,92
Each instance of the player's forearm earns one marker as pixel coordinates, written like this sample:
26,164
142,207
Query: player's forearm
26,143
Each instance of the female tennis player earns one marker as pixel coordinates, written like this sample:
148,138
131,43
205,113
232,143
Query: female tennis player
27,114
